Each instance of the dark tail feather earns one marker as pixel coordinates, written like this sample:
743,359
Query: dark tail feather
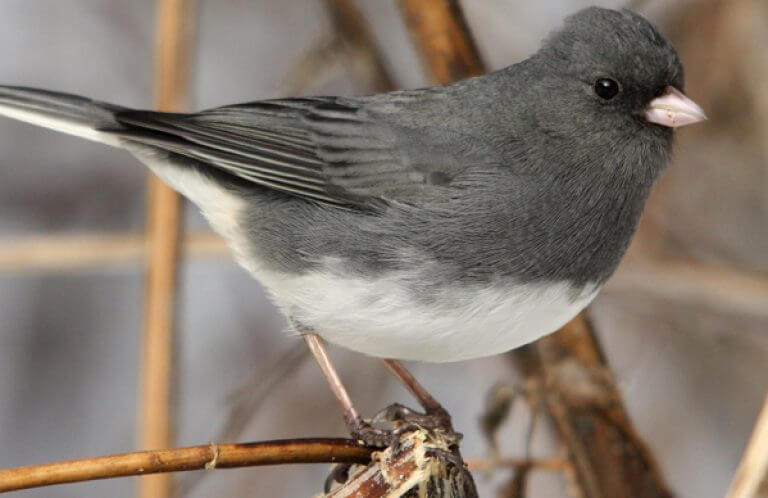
62,112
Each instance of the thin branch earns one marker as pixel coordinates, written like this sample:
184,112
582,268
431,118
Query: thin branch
74,252
445,43
549,464
172,55
703,285
220,456
753,470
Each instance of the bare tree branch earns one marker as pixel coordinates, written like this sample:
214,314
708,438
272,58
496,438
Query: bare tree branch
580,394
751,479
220,456
172,58
443,38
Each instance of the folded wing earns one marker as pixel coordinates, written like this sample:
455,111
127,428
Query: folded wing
327,149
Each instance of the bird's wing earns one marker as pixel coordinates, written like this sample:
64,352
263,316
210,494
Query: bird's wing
327,149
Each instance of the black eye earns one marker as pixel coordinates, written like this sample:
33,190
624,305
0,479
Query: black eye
606,88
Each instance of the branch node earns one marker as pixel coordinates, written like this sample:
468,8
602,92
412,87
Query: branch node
210,465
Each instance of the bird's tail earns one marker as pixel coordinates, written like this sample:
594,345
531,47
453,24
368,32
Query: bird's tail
62,112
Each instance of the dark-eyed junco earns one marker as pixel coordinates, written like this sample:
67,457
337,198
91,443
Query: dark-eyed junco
437,224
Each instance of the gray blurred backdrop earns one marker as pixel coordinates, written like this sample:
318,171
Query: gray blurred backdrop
692,360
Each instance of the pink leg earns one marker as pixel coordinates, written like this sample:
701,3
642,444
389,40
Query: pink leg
317,347
358,428
431,406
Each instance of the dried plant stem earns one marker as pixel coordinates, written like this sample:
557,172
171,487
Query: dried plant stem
550,464
703,285
753,470
171,69
180,459
72,252
442,36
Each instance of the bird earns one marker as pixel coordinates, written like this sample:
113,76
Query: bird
437,224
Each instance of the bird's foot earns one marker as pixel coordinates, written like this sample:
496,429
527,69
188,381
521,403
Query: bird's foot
402,416
420,448
369,435
386,427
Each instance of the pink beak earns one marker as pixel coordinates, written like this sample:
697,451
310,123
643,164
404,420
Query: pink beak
674,109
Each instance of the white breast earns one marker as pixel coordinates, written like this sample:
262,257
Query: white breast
382,317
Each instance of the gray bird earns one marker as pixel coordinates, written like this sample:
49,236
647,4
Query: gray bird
437,224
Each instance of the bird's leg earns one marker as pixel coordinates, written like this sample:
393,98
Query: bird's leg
432,408
358,428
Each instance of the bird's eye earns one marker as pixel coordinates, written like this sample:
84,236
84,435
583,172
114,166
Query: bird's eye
606,88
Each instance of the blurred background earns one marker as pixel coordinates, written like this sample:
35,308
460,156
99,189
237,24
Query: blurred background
684,323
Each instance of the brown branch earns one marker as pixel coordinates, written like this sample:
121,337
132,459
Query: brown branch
443,38
704,285
550,464
220,456
172,54
751,478
71,252
580,394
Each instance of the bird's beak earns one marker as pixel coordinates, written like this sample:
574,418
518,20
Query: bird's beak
673,109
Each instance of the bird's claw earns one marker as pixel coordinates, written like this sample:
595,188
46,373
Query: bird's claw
402,420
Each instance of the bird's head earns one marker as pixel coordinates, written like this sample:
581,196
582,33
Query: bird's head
611,75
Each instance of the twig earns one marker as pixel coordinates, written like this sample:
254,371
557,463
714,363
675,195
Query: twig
220,456
174,23
753,469
704,285
550,464
73,252
443,38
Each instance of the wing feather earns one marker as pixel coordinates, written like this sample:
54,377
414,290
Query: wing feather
324,149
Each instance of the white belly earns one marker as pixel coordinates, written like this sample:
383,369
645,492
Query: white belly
383,318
